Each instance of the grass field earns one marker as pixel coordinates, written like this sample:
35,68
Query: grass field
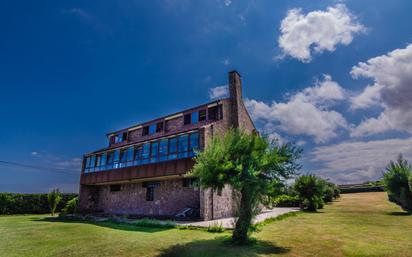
363,224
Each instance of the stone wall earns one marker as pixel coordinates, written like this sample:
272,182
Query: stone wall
170,197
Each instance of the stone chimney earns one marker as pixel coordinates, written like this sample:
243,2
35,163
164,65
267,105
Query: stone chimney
235,95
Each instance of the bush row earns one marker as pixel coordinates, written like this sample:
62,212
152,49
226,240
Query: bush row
11,203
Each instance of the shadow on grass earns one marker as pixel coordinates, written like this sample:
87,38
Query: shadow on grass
400,213
105,224
222,246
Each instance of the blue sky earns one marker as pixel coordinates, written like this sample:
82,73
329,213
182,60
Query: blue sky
72,71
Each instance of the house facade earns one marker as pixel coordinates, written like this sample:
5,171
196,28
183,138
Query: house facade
143,170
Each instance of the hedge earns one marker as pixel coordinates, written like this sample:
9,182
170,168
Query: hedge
11,203
361,189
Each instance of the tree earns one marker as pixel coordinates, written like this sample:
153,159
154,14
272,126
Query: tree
251,164
311,191
54,197
396,180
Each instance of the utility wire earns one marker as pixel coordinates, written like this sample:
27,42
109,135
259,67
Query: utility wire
67,171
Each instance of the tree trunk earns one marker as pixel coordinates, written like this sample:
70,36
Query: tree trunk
240,234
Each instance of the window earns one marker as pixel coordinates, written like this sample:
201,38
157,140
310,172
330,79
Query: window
194,143
159,127
152,129
163,150
98,158
183,146
115,188
172,148
150,194
109,164
123,158
145,153
138,155
202,115
187,119
195,117
92,162
145,131
103,162
87,164
129,158
154,151
116,159
189,182
119,137
213,113
150,190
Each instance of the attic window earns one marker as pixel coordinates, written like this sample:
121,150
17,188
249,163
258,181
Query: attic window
202,115
187,119
159,127
145,131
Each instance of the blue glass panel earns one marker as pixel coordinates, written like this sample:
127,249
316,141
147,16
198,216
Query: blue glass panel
194,142
130,152
163,149
146,151
183,143
103,161
116,155
154,151
152,129
173,145
195,117
87,162
92,161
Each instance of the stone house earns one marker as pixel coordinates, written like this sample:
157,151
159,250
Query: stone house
142,171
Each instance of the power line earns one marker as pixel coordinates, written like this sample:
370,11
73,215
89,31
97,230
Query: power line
41,168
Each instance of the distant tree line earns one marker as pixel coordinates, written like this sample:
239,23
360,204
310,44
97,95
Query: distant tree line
12,203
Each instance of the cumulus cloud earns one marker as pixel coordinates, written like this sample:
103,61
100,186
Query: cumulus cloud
227,2
392,90
305,113
317,31
354,162
218,92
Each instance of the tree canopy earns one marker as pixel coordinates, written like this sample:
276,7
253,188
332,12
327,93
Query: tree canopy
251,164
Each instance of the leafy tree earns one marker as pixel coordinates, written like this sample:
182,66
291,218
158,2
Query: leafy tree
54,197
310,189
71,206
252,165
397,180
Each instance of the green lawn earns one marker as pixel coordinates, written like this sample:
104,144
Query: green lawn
364,224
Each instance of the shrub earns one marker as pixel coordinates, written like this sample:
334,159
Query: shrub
70,207
152,223
54,197
397,183
215,228
286,201
11,203
310,190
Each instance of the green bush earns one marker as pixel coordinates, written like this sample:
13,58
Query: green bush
310,189
397,183
286,201
215,228
11,203
152,223
71,206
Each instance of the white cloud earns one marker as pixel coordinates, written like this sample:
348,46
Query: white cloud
305,113
34,153
369,97
354,162
392,90
225,61
317,31
218,92
227,2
